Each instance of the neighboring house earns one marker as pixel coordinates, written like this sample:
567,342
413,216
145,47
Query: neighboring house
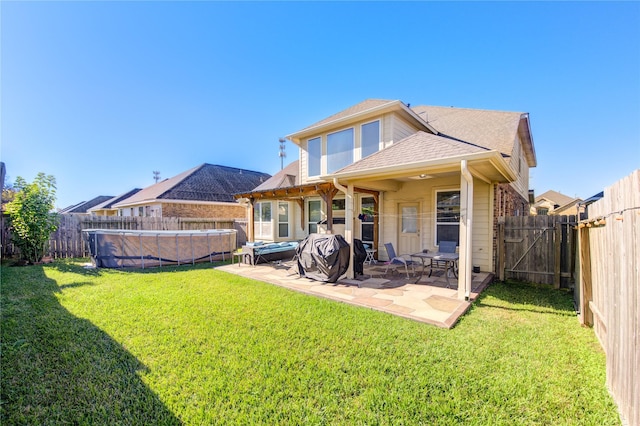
204,191
382,171
583,206
555,203
83,207
106,208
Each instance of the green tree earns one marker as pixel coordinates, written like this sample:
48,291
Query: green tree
31,215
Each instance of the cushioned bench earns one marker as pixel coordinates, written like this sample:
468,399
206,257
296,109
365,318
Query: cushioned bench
269,252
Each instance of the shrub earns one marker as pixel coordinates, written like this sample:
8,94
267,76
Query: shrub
31,215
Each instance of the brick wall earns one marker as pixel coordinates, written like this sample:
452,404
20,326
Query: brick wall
218,211
506,202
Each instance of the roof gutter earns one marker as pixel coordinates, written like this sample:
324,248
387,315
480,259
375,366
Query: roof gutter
409,168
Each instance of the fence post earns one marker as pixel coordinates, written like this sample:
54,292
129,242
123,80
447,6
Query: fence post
586,315
557,245
500,244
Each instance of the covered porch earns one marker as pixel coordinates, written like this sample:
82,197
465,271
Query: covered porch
429,300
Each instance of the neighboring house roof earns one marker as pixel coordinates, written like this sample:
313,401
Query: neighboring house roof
110,202
574,203
592,199
84,206
206,182
555,198
285,178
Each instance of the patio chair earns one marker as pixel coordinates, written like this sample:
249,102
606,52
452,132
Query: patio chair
403,259
445,247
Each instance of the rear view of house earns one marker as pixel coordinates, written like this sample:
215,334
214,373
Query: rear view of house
382,171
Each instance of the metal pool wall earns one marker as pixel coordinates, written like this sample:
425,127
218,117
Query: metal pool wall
142,249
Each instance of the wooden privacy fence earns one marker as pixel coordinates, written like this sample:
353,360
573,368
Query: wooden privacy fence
609,287
537,249
68,241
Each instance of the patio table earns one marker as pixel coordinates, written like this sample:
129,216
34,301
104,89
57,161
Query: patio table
449,259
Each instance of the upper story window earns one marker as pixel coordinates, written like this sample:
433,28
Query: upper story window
339,150
314,150
370,138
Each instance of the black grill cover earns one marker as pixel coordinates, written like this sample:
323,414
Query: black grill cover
359,256
323,257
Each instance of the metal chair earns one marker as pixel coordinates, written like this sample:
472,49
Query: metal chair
398,260
445,247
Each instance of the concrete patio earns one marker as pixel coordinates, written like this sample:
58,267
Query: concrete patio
428,301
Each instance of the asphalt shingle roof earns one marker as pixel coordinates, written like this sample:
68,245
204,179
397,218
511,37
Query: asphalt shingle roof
355,109
206,182
495,130
110,202
86,205
416,148
285,178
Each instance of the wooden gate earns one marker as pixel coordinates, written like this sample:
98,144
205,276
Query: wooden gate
538,249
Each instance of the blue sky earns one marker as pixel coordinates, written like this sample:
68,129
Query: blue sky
101,94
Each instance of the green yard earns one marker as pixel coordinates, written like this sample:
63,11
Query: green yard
192,345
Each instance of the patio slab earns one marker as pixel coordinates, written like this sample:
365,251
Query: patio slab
428,301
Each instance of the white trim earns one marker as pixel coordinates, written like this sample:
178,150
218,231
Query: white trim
435,210
380,144
321,156
386,107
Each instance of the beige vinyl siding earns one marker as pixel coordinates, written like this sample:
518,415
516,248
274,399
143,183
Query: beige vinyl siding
401,129
482,250
423,192
518,163
303,163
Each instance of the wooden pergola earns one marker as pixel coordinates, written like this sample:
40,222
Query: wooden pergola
325,190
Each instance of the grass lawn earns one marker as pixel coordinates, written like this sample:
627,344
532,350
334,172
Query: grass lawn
192,345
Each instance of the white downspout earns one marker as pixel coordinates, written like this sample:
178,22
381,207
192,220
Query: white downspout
466,241
348,222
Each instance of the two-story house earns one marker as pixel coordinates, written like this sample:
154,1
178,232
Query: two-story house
382,171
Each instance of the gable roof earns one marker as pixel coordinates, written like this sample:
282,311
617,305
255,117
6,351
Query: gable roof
491,129
110,202
356,109
555,197
84,206
206,182
361,111
416,148
285,178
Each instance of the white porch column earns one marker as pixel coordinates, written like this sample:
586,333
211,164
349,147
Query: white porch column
348,221
466,228
348,227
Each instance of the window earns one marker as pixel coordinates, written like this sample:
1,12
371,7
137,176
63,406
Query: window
314,215
366,224
337,204
262,219
283,220
542,211
447,216
370,139
314,151
339,150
